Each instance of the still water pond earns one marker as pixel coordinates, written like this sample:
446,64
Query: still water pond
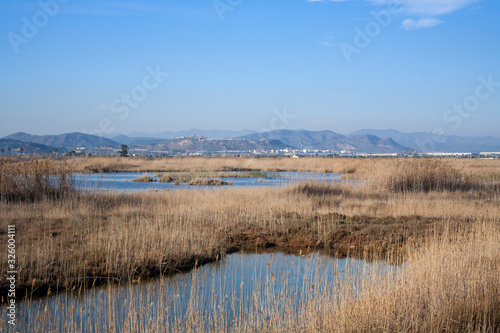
232,289
123,181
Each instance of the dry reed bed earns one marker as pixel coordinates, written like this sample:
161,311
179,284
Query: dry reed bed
488,170
449,283
90,238
87,239
34,180
352,168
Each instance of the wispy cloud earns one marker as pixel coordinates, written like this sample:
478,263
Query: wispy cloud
420,13
327,41
425,12
412,24
427,8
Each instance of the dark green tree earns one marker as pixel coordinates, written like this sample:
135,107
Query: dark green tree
123,151
21,150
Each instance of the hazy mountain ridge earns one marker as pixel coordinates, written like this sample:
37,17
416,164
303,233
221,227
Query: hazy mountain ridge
427,142
362,141
127,140
198,143
66,140
328,140
29,147
210,134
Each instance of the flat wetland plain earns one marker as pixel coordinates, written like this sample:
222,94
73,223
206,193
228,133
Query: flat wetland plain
440,217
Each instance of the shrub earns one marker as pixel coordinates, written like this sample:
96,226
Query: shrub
319,189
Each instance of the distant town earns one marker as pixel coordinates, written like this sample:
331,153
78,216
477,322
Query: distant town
281,143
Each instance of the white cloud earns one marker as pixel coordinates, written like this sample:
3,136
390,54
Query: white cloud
412,24
427,8
424,12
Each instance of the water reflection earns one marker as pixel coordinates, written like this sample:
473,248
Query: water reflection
226,290
122,181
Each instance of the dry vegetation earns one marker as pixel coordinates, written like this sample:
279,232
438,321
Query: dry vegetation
441,216
143,179
34,180
209,182
190,180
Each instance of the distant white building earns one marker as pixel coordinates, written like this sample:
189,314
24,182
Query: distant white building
448,154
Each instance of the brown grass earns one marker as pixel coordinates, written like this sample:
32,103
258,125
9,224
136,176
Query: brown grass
352,168
93,238
34,180
208,182
143,179
422,175
165,179
451,284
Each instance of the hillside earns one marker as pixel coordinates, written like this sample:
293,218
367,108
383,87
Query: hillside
68,140
199,143
29,147
426,142
332,141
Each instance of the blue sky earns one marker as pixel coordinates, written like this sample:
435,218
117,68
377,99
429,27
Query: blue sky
99,66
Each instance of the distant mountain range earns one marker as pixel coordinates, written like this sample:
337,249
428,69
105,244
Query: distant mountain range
69,140
363,141
332,141
200,144
128,140
427,142
28,147
210,134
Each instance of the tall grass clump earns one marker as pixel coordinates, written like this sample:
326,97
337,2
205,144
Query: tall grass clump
165,179
320,189
422,175
35,180
208,182
143,179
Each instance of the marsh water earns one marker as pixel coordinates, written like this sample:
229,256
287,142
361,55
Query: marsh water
238,284
123,181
